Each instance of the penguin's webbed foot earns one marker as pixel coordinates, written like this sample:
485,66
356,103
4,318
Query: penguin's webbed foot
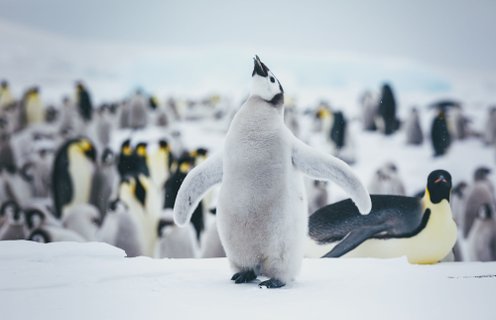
271,283
244,276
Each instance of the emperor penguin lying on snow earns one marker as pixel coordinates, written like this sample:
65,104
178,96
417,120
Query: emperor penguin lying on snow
261,211
423,230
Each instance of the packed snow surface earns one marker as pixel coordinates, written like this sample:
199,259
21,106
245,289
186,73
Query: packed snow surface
96,281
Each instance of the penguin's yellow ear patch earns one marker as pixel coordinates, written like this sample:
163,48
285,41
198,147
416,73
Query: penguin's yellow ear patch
127,150
85,145
184,167
194,153
141,151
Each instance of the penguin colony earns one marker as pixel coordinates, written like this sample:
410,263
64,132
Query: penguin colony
79,171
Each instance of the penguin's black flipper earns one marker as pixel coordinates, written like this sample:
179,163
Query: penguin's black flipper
353,240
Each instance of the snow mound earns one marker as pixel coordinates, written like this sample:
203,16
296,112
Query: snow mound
95,281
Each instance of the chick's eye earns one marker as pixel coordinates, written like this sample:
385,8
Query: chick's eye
272,79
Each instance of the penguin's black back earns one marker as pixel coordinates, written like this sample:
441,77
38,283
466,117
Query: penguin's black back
61,179
338,130
172,186
85,106
398,215
441,138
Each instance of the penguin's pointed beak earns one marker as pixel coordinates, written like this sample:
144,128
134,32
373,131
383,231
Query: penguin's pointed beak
258,68
441,179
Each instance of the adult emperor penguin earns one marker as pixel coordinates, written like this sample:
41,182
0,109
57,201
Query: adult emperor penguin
423,230
72,174
481,241
139,195
262,210
126,162
440,134
83,99
159,163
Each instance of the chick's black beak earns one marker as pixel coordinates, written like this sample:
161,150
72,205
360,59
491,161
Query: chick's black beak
258,68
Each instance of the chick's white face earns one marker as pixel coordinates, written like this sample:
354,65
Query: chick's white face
265,84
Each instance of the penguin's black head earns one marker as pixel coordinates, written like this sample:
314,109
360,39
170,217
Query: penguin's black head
141,149
265,84
164,145
117,205
4,84
126,148
439,186
481,173
87,148
34,218
185,163
40,235
9,207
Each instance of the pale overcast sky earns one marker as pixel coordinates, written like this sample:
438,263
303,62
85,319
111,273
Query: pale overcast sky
459,34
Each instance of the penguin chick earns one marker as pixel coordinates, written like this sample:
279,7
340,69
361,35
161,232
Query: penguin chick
120,228
176,242
13,227
481,241
126,162
104,182
211,246
159,163
261,213
423,230
72,174
83,219
480,193
387,181
413,129
47,234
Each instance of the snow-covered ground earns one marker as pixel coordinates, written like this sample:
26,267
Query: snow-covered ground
95,281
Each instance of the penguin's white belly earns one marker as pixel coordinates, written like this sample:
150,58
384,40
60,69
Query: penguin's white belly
81,171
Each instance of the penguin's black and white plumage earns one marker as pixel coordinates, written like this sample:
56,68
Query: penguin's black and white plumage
413,129
141,159
159,163
387,110
480,193
423,230
84,103
72,174
481,240
183,166
105,181
13,226
440,134
338,130
141,197
261,211
127,160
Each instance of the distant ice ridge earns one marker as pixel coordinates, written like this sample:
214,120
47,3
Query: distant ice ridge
30,56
